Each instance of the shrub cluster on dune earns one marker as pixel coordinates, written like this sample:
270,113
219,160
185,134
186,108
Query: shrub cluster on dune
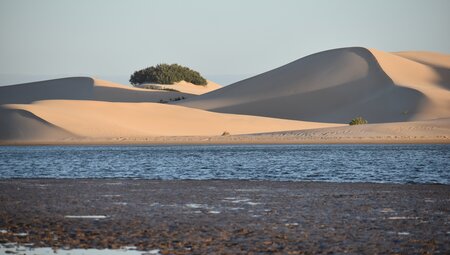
167,74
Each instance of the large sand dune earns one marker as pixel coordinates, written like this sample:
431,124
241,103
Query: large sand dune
85,88
338,85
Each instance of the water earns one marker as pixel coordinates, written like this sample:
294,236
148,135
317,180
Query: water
335,163
14,248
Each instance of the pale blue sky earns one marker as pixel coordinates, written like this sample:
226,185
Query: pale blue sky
225,40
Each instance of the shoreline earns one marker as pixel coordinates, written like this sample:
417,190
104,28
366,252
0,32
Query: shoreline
263,139
313,182
226,216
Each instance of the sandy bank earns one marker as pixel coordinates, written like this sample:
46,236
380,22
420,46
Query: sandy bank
419,132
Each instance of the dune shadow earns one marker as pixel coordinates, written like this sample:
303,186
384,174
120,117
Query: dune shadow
77,88
444,75
22,124
443,72
337,105
111,94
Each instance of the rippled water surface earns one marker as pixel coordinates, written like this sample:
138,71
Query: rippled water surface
337,163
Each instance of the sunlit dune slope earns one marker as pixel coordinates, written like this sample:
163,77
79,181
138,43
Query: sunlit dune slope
97,119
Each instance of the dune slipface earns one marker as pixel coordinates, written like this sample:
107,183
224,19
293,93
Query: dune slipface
16,124
338,85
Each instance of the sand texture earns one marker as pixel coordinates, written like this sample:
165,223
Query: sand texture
417,132
405,94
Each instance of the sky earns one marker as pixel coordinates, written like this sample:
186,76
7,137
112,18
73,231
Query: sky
225,40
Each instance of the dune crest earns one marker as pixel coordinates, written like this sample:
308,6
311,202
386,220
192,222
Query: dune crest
338,85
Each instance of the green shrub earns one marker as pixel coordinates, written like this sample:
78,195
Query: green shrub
358,121
167,74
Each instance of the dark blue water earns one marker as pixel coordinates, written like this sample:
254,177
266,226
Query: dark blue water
336,163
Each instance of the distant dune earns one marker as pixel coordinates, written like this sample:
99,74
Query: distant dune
85,88
338,85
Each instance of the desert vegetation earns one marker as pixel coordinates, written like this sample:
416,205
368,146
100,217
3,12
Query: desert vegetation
162,101
167,74
358,121
157,87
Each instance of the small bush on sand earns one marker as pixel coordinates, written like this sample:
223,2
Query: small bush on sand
225,133
162,101
358,121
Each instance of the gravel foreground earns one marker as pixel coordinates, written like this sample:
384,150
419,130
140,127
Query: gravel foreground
227,217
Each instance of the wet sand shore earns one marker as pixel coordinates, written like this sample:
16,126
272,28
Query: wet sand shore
227,217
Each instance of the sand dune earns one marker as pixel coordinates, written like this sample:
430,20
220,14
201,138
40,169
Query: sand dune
93,122
296,103
82,88
422,72
85,108
96,119
338,85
